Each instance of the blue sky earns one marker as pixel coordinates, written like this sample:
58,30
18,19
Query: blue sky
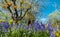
51,5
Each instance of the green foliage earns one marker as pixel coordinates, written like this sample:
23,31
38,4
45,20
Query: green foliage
27,33
55,18
5,16
11,21
2,34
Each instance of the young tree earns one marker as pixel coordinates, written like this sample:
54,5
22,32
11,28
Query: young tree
20,8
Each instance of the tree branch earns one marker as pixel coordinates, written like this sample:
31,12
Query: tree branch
24,13
9,9
10,12
6,1
20,13
20,9
16,12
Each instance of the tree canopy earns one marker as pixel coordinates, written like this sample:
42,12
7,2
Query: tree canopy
18,9
55,18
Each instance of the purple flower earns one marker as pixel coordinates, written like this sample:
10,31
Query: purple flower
36,25
52,35
42,26
28,27
39,26
5,25
50,28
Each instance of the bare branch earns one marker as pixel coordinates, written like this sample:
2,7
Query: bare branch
16,12
6,1
20,9
24,13
9,9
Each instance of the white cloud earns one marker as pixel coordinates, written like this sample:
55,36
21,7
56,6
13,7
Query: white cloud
44,20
